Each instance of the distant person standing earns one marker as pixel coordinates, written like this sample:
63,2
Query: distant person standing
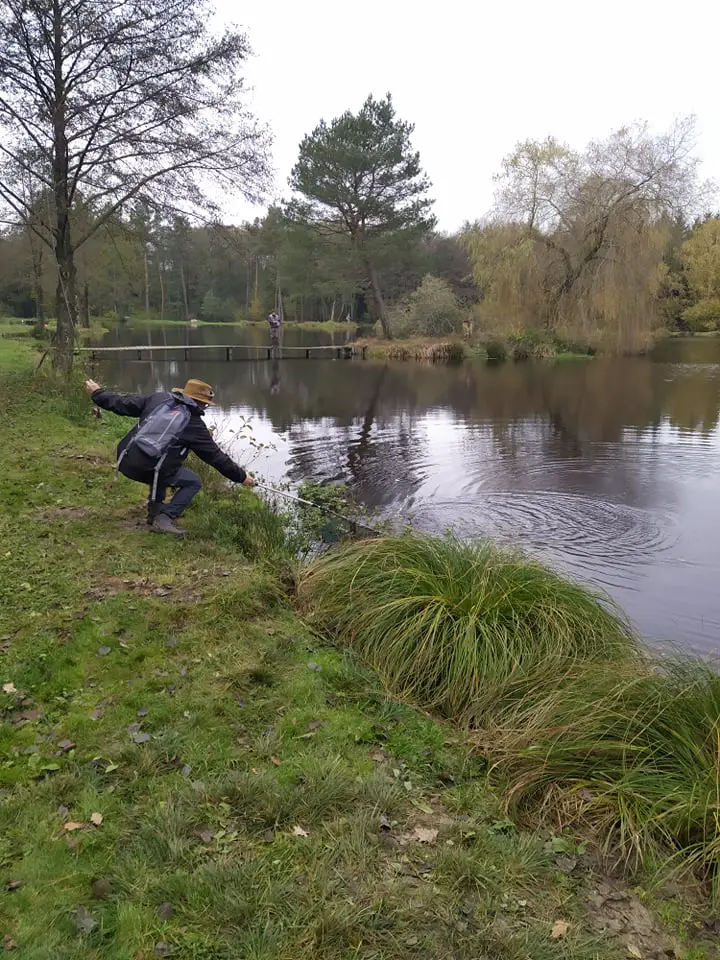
275,324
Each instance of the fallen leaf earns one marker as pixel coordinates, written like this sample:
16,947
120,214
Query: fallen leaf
9,688
134,728
559,929
73,825
269,836
97,818
378,757
315,724
63,811
384,823
143,712
101,889
275,761
164,949
141,737
634,952
104,651
186,770
299,832
14,885
425,835
9,943
165,912
172,643
97,714
84,920
66,746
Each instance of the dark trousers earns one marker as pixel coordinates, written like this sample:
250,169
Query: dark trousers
186,484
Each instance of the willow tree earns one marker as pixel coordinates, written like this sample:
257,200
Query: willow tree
360,177
580,213
107,103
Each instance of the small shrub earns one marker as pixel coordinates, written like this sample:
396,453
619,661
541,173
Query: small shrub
532,345
702,316
430,311
496,351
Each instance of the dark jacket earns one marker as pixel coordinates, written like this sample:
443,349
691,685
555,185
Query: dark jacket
196,437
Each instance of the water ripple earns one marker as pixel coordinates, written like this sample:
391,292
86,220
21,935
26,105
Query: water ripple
595,532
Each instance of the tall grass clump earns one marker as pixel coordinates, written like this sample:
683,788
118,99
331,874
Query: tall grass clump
633,752
457,627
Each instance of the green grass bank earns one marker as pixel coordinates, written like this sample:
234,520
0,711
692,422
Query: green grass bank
189,769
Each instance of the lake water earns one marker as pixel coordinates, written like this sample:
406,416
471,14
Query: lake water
608,468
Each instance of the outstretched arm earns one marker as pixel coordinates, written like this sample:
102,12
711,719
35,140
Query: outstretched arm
124,404
200,441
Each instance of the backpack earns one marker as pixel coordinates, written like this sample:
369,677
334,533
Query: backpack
156,434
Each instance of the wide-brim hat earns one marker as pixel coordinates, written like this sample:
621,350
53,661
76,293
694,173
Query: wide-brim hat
198,390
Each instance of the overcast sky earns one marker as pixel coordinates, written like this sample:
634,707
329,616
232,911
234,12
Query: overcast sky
476,77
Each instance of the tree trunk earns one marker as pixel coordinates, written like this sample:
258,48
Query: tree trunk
147,286
184,291
278,297
162,292
65,303
332,312
85,307
378,299
37,263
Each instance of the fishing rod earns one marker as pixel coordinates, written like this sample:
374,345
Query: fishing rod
354,524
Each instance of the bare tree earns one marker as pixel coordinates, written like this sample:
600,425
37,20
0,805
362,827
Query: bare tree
105,101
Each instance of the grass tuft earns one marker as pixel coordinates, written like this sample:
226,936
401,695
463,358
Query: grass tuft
459,628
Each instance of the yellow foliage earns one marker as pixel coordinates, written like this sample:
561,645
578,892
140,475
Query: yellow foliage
700,256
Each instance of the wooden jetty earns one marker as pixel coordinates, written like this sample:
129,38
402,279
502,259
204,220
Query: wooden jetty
346,351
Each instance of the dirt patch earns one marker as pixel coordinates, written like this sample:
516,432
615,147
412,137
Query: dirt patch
66,513
615,912
111,586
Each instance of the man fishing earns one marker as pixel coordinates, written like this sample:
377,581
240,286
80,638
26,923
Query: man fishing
170,425
275,323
